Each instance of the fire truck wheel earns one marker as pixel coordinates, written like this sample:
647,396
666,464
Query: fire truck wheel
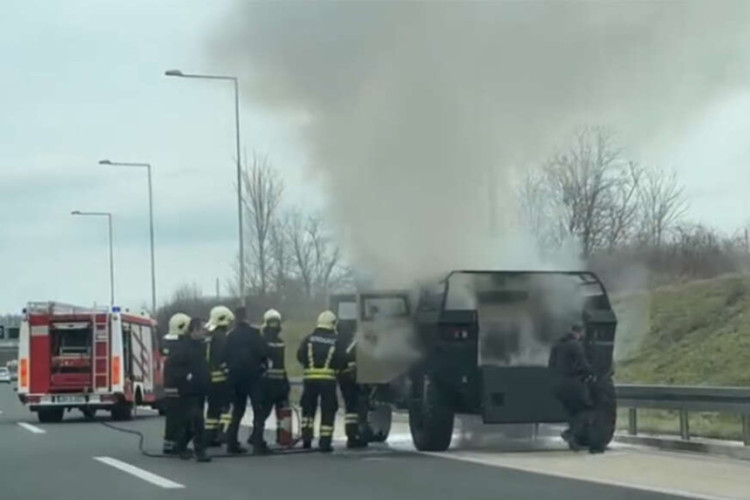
379,419
122,411
430,416
50,415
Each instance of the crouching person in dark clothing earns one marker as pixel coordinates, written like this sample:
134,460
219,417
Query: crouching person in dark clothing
189,368
573,374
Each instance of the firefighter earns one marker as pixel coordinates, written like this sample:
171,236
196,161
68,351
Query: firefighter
218,415
321,357
354,402
190,371
275,382
178,326
572,373
245,356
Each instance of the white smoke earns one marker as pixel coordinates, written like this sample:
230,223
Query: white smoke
420,115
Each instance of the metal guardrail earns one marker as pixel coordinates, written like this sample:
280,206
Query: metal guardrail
685,399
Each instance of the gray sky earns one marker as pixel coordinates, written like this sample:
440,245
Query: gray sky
83,80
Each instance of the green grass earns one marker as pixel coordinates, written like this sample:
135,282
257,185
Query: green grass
696,333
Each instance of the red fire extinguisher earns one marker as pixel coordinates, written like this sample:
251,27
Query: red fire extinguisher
284,435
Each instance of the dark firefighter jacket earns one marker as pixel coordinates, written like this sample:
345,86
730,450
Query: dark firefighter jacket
215,355
245,353
349,353
321,355
568,359
187,367
276,348
170,384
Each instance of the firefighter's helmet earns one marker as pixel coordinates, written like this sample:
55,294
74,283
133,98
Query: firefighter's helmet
327,321
271,316
178,324
219,316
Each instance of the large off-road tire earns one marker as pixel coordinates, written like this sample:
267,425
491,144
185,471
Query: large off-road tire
604,416
50,415
122,411
379,420
430,416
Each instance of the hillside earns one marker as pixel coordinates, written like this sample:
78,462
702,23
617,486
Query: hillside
693,333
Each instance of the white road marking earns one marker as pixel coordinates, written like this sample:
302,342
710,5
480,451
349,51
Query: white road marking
606,482
32,428
140,473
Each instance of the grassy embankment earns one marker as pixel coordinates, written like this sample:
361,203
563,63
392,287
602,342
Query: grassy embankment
696,333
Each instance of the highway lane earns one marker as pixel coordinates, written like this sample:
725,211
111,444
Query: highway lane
60,464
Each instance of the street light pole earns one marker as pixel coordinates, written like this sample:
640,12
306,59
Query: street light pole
147,166
108,215
235,81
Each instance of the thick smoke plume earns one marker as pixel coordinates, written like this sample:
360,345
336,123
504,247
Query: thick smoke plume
419,116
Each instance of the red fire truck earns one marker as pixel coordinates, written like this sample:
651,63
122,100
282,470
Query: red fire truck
87,358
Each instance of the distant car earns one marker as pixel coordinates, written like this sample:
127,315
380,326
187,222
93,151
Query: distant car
5,377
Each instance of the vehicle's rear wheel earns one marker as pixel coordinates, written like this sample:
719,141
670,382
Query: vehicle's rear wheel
122,411
379,419
430,416
50,415
604,419
89,413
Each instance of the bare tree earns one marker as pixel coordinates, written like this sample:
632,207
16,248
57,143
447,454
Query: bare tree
595,187
542,211
263,192
620,208
316,257
662,205
281,254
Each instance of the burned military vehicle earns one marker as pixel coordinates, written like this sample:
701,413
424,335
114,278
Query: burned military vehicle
476,342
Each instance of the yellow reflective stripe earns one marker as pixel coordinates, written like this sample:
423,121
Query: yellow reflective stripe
326,430
306,422
351,418
351,346
276,376
331,350
310,358
320,374
276,344
276,370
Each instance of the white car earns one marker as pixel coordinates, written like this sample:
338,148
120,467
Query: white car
4,375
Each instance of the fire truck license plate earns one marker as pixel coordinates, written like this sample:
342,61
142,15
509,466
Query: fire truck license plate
70,399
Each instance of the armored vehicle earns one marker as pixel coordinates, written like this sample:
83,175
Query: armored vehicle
476,342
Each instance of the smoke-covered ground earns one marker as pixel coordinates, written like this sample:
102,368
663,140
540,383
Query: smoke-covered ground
419,116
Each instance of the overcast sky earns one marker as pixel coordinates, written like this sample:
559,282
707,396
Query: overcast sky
83,80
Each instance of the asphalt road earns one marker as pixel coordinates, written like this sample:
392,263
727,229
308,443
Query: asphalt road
82,460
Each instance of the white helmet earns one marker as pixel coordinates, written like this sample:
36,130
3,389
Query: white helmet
271,315
178,324
220,316
327,321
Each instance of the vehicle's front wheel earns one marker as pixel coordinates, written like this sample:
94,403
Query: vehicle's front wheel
379,419
430,416
50,415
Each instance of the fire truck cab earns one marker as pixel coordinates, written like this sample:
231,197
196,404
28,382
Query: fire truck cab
90,359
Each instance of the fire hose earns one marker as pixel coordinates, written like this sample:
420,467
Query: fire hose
288,446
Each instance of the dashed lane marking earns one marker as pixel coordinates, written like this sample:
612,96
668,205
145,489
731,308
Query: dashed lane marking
32,428
145,475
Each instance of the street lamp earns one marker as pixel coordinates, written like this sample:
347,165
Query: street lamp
235,81
108,215
147,166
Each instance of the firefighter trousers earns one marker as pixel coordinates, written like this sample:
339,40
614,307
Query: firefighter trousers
171,422
355,406
191,418
240,393
323,391
275,395
218,415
